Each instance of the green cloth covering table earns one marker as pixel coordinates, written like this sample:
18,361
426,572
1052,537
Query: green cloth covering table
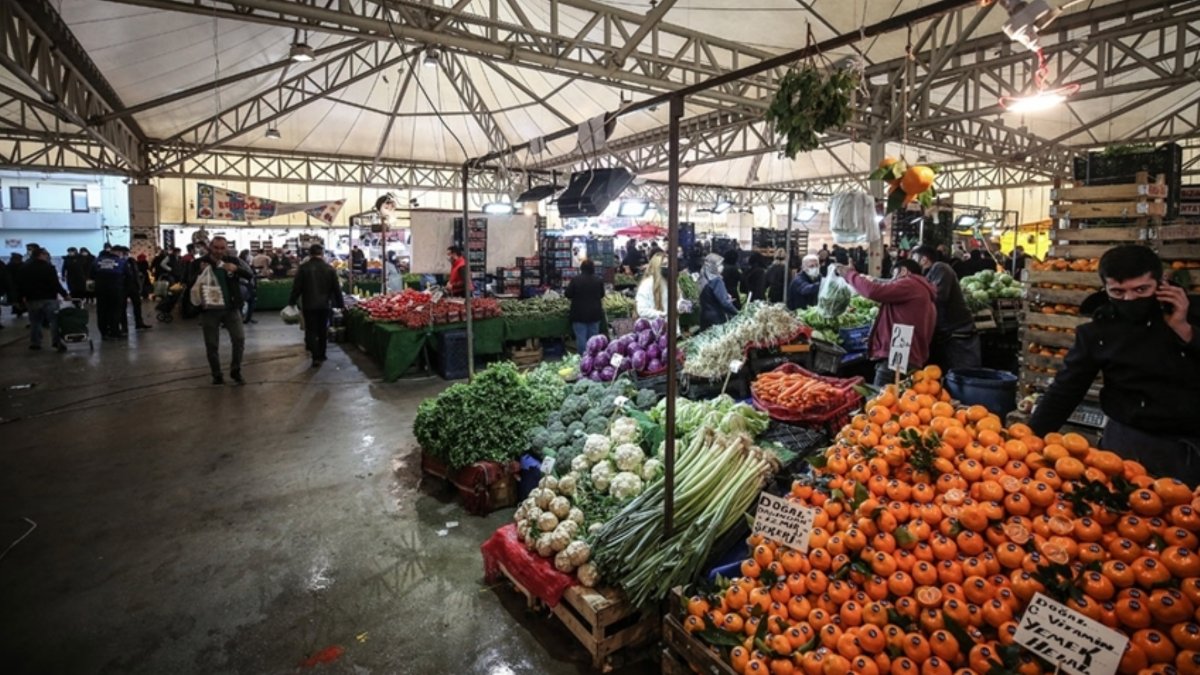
396,348
272,294
517,329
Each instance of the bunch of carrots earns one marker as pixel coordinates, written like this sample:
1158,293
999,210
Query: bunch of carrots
796,391
934,528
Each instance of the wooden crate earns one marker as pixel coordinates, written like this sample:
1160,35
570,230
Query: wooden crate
689,655
1142,202
601,619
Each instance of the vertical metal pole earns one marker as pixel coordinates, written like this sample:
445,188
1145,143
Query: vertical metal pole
383,269
468,284
676,112
787,260
875,249
350,266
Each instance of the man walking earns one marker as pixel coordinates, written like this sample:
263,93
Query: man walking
316,287
133,293
219,298
955,340
586,293
40,288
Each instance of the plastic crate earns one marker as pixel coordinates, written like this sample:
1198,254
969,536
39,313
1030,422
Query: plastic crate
855,339
451,359
553,348
827,357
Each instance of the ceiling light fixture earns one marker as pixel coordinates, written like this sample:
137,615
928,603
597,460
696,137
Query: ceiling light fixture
432,56
1043,97
301,52
498,209
633,208
722,206
805,215
273,134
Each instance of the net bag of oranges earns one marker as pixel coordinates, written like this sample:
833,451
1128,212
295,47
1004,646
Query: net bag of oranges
934,527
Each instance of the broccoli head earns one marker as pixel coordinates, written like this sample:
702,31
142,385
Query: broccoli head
598,425
646,398
575,428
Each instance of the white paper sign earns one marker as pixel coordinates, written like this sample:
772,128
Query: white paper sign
735,365
1068,639
901,347
784,521
616,361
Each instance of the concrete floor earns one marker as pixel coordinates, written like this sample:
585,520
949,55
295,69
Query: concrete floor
187,528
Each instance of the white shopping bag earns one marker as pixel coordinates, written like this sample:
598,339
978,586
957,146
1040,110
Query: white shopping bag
206,292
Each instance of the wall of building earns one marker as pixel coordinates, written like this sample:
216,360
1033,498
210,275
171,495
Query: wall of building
50,221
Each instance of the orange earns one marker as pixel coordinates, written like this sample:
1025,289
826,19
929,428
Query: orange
1075,444
1157,646
1146,502
1069,468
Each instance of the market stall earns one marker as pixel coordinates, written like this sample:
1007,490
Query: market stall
272,294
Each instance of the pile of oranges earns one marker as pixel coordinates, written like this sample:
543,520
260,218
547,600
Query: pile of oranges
934,528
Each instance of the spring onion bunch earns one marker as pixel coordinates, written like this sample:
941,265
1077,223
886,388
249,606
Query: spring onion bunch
709,353
717,477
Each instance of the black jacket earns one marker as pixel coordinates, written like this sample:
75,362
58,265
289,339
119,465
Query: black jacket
39,281
774,282
952,313
754,283
1150,375
733,281
803,292
316,286
586,293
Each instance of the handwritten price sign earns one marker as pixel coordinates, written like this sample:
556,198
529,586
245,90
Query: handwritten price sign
1069,639
783,521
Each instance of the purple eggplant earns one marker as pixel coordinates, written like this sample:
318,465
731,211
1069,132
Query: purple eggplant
596,343
641,325
639,361
586,364
607,374
622,347
601,361
654,366
653,352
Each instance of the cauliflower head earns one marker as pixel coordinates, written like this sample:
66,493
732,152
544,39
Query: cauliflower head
629,457
625,485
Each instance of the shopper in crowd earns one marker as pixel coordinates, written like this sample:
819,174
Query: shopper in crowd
634,259
840,255
190,256
133,294
459,279
824,259
358,260
908,299
652,293
754,282
40,289
249,288
108,277
716,307
317,289
75,273
15,262
586,293
261,262
7,286
1018,261
806,286
776,277
169,267
955,341
226,269
731,274
280,265
143,270
1144,338
889,257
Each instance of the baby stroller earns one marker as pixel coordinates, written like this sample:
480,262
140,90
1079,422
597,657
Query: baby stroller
163,311
73,325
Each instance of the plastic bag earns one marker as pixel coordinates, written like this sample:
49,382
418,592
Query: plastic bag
162,288
852,218
834,297
290,314
206,292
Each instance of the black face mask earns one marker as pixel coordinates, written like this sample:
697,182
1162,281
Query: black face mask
1136,311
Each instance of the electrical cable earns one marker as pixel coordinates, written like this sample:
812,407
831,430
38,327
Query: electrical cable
32,527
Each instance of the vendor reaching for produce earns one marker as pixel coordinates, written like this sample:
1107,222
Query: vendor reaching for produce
803,291
715,305
955,340
906,299
1144,338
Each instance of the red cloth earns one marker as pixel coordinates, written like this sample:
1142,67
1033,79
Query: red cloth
533,572
457,283
909,301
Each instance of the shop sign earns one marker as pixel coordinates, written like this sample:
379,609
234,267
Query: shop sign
902,337
217,203
1068,639
784,521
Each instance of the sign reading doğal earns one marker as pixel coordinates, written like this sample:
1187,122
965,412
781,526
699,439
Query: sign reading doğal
1068,639
784,521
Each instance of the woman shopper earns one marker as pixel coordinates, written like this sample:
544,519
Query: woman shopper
652,296
754,283
586,293
715,305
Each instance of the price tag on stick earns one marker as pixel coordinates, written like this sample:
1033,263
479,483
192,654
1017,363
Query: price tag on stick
901,348
784,521
1068,639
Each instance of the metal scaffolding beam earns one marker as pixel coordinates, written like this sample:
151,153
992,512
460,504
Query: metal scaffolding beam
468,93
39,50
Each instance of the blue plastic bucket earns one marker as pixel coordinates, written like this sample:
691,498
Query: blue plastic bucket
995,390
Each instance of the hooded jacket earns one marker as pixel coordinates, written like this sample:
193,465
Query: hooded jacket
1150,374
908,300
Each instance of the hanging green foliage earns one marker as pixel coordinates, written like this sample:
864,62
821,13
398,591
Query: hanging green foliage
809,103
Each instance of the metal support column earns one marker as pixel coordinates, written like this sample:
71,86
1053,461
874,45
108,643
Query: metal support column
875,249
468,283
676,112
787,259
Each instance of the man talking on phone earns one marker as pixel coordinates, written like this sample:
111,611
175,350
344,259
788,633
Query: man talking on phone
1145,338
